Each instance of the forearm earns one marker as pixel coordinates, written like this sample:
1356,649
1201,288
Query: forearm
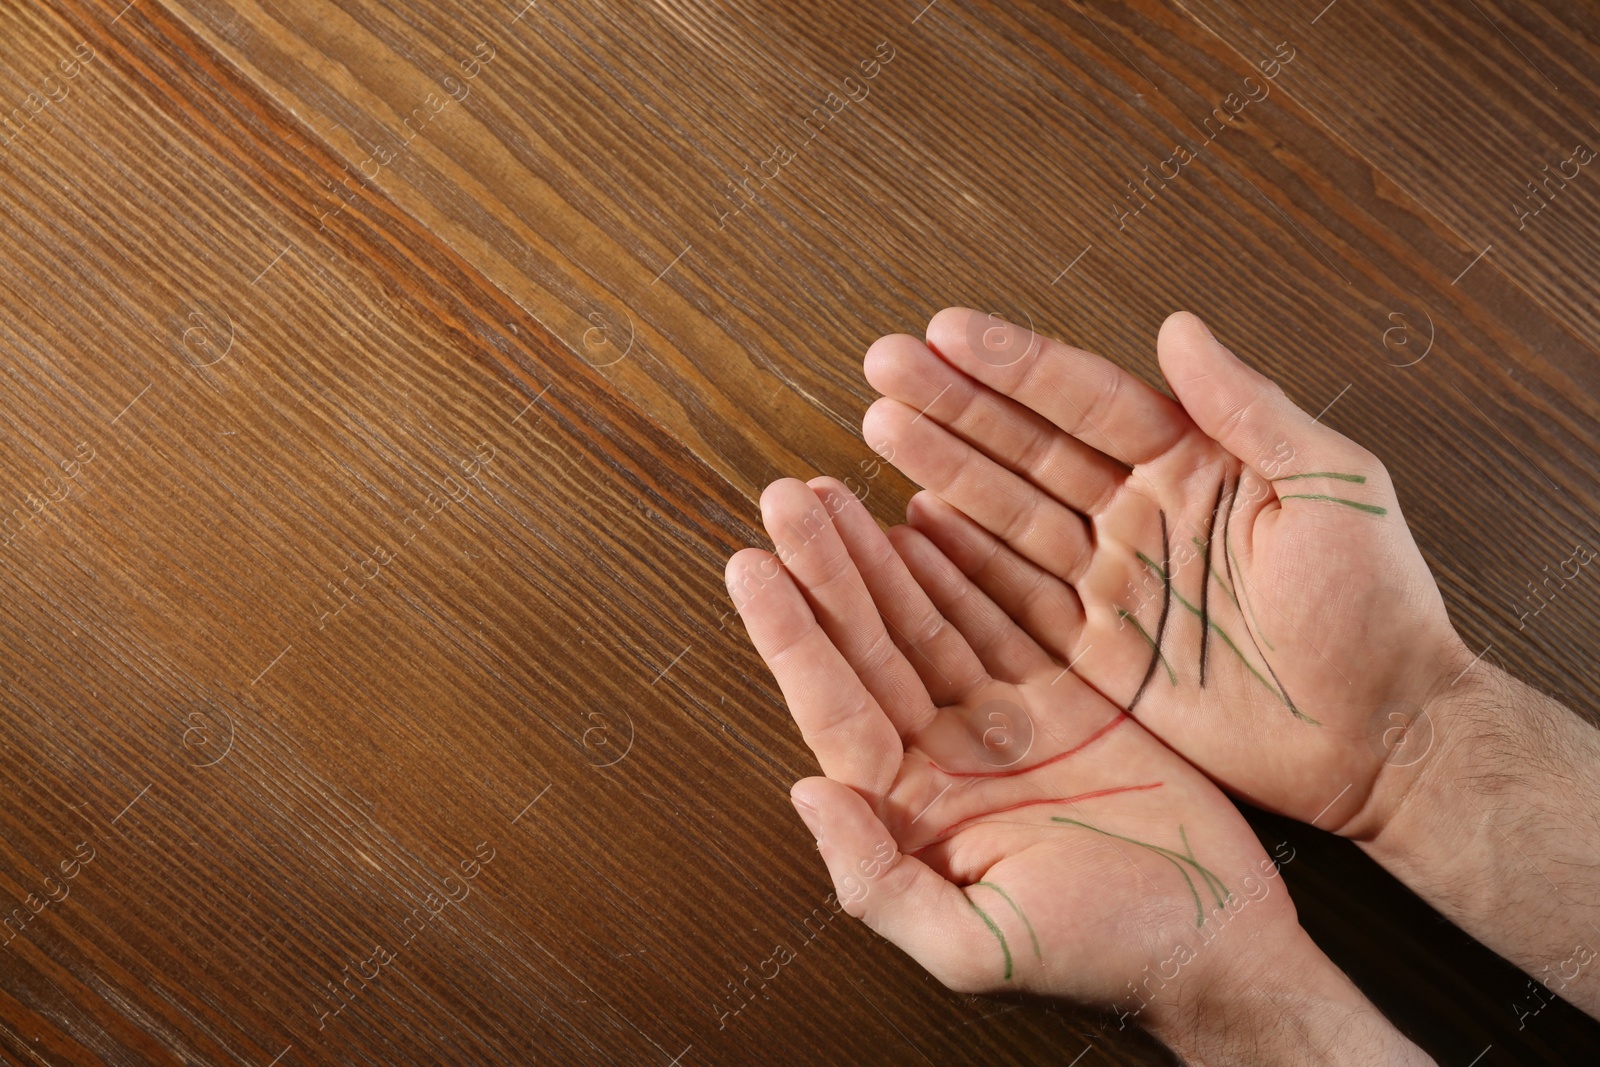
1499,828
1294,1007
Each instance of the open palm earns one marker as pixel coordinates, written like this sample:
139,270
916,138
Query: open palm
1233,573
983,808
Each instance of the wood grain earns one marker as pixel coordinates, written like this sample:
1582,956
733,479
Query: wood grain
386,383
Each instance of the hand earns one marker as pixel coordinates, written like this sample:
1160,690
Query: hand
1235,574
995,817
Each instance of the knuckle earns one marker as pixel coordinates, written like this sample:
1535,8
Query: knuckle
1105,397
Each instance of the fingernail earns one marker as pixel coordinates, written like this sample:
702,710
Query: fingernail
808,815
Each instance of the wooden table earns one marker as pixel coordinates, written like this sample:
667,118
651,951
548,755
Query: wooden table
385,384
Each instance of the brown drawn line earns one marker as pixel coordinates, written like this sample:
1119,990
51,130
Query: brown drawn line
1205,579
1166,608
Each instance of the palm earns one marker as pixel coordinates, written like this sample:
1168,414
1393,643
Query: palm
1048,802
1263,610
998,786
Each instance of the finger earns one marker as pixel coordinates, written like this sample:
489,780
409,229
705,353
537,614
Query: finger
1249,415
900,897
942,658
1042,604
853,740
1025,516
1006,652
1082,478
806,541
1084,394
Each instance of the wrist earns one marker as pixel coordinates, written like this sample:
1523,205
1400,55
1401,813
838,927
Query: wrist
1494,745
1418,824
1495,827
1405,733
1283,1003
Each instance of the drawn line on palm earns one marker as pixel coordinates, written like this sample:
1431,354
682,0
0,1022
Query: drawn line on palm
1011,772
1232,561
1242,599
1127,616
1182,862
1219,892
968,822
1183,602
986,817
1041,390
994,927
1164,572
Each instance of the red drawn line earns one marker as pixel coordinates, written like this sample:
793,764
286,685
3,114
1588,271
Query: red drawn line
1008,772
950,831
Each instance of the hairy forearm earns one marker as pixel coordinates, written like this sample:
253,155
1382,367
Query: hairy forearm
1294,1007
1499,828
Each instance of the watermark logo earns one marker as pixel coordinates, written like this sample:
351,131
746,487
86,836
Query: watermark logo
1398,339
604,340
207,737
1400,733
1000,342
208,335
1002,733
607,742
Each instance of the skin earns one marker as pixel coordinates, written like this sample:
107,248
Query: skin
1052,472
1499,833
1005,824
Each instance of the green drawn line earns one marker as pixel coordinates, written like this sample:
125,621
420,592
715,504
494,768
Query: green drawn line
1359,479
995,930
1372,509
1220,632
1211,880
1219,892
1199,910
1229,560
1124,613
1244,592
1217,629
1218,575
1161,624
1031,935
1230,563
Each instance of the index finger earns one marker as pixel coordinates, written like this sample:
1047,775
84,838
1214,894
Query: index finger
1086,395
842,724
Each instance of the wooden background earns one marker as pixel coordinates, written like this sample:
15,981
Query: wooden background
385,383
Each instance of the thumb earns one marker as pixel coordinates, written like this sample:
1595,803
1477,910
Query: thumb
1244,411
898,896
